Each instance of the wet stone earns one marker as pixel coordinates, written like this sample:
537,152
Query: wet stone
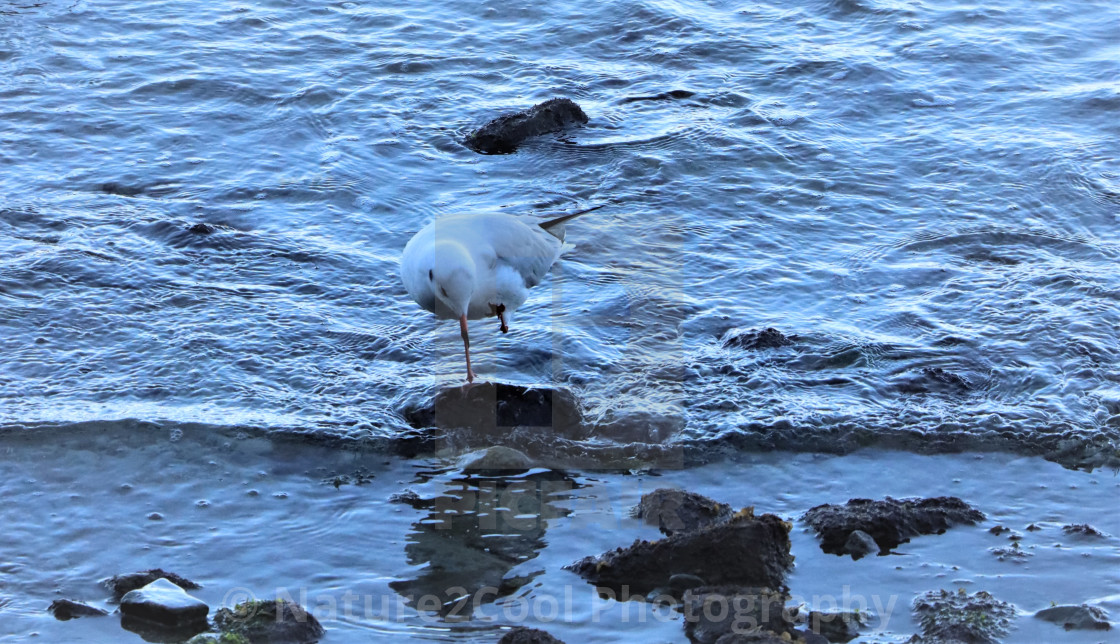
838,627
272,621
523,635
890,522
494,409
946,616
66,609
860,544
164,603
505,133
496,460
768,338
745,551
1083,530
118,585
736,614
679,511
1083,617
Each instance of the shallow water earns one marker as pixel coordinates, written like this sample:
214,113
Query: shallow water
253,517
903,186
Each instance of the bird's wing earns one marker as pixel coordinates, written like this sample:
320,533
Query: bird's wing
524,247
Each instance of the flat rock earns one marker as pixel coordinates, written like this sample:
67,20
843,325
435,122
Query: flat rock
505,133
675,511
271,621
958,617
65,609
164,603
494,409
1083,617
522,635
118,585
746,551
890,522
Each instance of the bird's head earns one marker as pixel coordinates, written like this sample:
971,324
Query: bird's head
452,277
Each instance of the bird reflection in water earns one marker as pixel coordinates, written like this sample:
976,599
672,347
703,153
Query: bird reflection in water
478,531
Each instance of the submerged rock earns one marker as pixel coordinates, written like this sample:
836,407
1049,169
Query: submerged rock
522,635
679,511
1083,617
732,614
118,585
935,380
270,621
768,338
890,522
164,603
202,228
951,617
66,609
745,551
504,134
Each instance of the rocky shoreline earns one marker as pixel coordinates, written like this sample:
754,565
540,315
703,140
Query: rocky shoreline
724,572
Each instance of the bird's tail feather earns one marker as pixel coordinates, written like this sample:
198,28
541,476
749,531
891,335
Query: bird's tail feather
554,226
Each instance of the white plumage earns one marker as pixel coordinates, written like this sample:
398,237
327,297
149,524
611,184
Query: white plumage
468,267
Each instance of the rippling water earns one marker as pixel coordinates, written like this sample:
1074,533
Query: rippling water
923,195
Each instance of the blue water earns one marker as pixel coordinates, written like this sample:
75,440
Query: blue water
900,186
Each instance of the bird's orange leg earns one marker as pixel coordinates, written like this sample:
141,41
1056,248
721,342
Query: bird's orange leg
466,345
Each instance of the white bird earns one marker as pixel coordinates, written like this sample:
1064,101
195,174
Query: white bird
468,267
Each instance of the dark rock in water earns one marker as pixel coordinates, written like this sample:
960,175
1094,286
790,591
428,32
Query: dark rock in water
952,617
218,638
121,584
64,609
890,522
1083,617
745,551
935,380
836,627
503,134
162,602
736,614
202,229
999,529
679,511
493,409
1083,530
860,544
270,621
522,635
768,338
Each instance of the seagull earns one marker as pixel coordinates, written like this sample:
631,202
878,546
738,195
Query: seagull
468,267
